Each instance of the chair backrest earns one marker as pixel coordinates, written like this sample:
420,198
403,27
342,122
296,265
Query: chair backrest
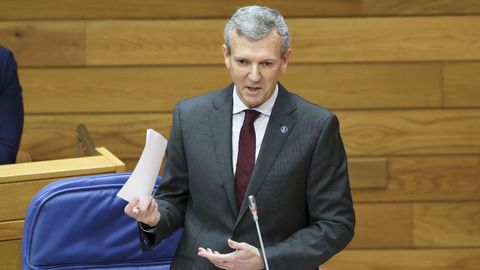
79,223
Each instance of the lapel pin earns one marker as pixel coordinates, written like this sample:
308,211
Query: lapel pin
284,129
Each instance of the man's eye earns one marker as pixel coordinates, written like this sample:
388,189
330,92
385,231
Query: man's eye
267,64
242,62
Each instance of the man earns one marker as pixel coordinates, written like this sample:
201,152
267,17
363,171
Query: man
11,108
299,176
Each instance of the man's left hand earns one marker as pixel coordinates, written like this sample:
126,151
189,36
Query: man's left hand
245,257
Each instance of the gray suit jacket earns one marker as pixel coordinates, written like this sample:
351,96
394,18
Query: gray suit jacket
300,182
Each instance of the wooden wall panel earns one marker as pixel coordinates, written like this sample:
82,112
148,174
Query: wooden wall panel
365,133
462,85
313,40
383,226
11,230
427,178
447,224
423,7
148,9
157,89
45,43
163,42
406,132
11,255
386,39
54,136
421,259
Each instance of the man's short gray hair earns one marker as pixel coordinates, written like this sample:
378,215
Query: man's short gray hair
255,22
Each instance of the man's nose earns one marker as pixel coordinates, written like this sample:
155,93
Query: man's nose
254,74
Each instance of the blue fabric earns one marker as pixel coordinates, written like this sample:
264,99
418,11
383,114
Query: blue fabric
79,223
11,108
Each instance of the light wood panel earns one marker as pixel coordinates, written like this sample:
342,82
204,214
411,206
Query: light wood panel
313,40
54,136
405,132
462,85
154,89
11,255
422,259
386,39
147,9
428,178
11,230
416,7
163,42
56,168
447,224
383,226
45,43
365,133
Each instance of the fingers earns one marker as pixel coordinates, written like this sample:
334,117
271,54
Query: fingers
145,211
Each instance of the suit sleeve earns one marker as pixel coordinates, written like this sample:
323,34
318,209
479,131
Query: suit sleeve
173,192
11,108
332,218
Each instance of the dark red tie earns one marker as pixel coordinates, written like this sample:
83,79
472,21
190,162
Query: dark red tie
246,155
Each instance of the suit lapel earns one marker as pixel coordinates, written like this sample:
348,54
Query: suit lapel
272,144
220,120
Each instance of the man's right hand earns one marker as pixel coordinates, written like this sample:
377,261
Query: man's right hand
144,211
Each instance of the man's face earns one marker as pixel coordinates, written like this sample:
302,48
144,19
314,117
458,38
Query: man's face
255,66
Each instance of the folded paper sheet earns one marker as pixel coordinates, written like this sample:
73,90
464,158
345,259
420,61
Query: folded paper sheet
141,181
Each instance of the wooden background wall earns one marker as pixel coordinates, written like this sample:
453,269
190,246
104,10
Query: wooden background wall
403,77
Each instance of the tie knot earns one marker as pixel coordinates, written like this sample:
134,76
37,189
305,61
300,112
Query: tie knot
250,116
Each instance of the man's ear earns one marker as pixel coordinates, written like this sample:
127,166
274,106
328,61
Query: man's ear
226,55
285,59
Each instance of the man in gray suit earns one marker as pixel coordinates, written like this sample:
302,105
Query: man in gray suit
252,138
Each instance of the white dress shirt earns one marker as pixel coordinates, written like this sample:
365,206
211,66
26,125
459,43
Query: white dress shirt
260,124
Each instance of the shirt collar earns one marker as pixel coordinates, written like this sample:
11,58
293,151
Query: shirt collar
265,108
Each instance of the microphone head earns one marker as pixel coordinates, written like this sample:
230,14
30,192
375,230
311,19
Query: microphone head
252,204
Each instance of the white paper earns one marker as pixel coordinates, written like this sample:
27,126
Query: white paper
141,181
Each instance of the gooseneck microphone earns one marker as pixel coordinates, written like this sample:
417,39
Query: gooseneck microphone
252,204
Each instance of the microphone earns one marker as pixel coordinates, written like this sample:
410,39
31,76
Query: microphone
252,204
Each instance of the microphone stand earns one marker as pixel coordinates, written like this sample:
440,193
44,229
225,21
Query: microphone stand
252,204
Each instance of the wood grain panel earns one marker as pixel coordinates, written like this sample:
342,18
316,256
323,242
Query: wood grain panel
405,132
154,42
383,226
428,178
11,230
462,85
54,136
21,193
157,89
421,259
386,39
447,224
11,255
45,43
368,172
147,9
420,7
313,40
365,133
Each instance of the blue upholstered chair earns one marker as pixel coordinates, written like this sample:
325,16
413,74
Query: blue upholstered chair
79,223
